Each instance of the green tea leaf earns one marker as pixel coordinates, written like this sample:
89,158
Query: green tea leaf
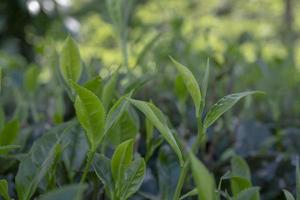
30,174
156,117
190,83
116,111
248,194
70,63
133,178
288,195
95,85
4,189
109,89
36,164
121,159
204,180
70,192
190,193
125,128
240,176
223,105
9,133
91,114
180,89
102,168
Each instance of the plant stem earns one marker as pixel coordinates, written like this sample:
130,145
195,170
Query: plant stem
90,158
185,167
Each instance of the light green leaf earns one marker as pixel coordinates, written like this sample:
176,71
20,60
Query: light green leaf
203,178
31,172
9,133
156,117
133,179
95,85
90,113
109,90
288,195
4,189
70,192
190,83
190,193
121,159
31,78
224,105
248,194
70,63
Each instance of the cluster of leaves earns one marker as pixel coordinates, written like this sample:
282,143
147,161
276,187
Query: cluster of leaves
123,173
118,143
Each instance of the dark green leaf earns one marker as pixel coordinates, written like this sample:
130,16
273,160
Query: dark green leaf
223,105
70,192
102,168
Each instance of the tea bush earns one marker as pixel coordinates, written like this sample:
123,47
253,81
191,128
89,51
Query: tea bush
144,120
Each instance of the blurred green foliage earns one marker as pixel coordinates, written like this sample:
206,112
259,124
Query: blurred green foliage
251,44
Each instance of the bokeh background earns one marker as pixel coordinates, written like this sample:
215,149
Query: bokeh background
251,44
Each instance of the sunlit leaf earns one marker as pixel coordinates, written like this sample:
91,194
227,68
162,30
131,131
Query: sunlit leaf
224,105
190,83
156,117
90,113
134,177
121,159
70,63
